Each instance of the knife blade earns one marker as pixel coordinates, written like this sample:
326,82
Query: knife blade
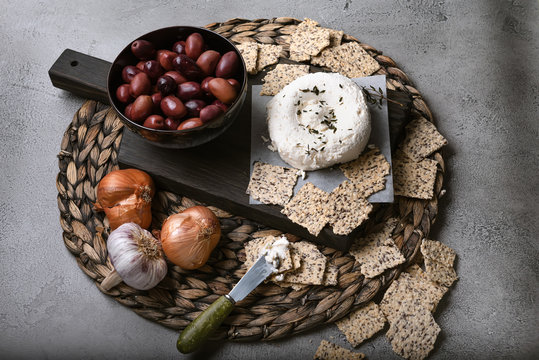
197,332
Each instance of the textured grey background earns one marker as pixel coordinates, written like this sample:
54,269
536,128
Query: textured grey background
477,64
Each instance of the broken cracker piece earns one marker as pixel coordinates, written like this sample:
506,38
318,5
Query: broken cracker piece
362,324
308,40
330,351
272,184
308,208
377,251
370,166
422,139
413,332
312,268
268,55
414,179
249,53
346,210
414,287
435,250
348,59
283,74
440,273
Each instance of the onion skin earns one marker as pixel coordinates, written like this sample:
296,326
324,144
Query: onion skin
126,196
189,237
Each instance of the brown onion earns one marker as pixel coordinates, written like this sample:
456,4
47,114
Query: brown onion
126,196
189,237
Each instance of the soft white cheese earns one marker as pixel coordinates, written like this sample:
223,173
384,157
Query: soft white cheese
319,120
276,252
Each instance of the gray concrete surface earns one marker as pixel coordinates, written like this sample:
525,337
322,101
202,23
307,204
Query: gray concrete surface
477,64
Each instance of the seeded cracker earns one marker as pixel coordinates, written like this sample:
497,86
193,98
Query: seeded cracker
249,52
335,37
377,251
272,184
413,333
411,286
307,208
435,250
362,323
349,59
330,351
282,75
308,40
331,276
440,273
414,179
368,167
253,249
313,265
346,210
268,55
422,139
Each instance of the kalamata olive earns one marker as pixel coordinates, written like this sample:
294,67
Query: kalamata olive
122,93
153,69
142,108
194,46
154,122
172,124
207,61
156,99
228,65
222,90
165,57
142,49
209,113
173,107
166,85
234,83
127,111
187,67
179,47
194,106
222,105
189,90
204,84
140,85
179,78
190,123
128,72
140,65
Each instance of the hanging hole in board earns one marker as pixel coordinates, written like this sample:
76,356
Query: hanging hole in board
74,63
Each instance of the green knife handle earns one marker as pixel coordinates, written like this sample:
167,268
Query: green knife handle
196,333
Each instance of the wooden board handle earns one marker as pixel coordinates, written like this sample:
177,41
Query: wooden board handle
81,74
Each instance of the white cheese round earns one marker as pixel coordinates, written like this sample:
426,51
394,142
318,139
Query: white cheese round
319,120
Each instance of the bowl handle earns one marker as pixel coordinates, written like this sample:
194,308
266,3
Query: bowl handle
81,74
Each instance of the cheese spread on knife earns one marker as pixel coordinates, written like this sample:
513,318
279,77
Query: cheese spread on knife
319,120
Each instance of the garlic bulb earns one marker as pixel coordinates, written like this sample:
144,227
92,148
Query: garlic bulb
137,258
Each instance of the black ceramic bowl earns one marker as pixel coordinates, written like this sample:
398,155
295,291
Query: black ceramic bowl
177,139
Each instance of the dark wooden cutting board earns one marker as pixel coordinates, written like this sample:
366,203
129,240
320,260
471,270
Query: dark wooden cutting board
217,173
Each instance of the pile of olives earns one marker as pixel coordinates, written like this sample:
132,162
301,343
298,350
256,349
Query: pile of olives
181,88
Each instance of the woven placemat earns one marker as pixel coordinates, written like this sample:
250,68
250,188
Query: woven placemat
89,151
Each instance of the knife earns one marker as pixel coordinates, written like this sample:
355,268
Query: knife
196,333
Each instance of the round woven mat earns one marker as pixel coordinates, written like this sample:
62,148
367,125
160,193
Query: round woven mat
89,151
